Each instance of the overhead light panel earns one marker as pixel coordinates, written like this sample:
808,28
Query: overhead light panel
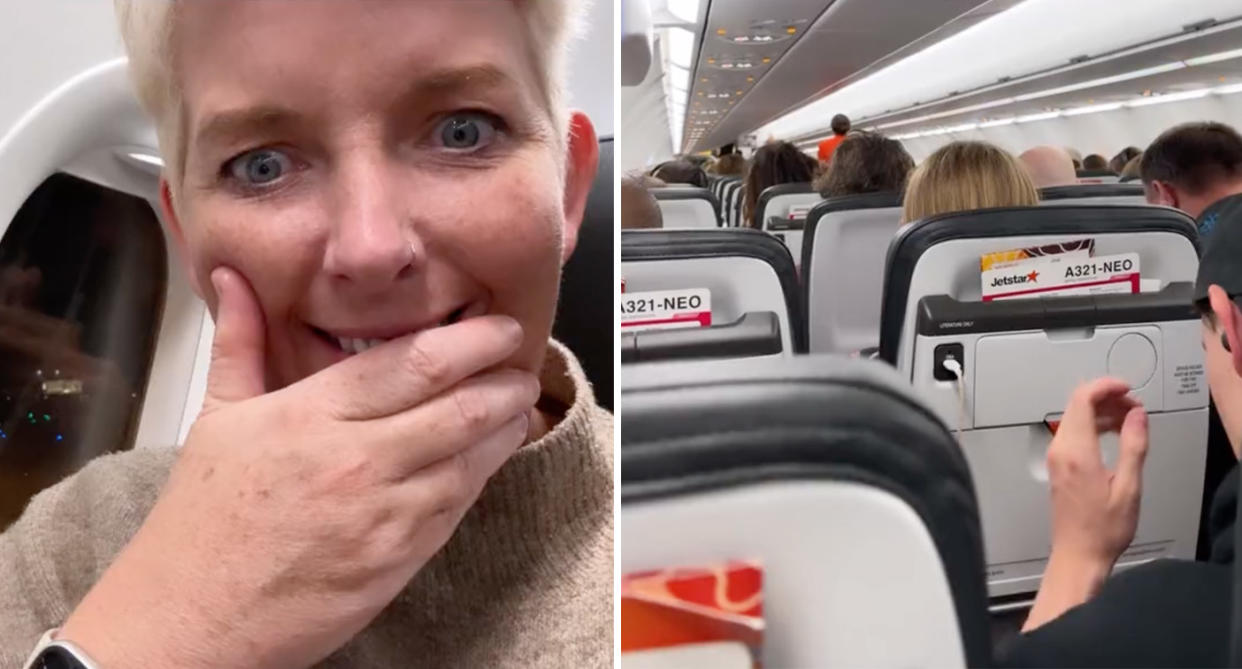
1094,109
998,122
1042,116
1228,90
1214,58
1170,97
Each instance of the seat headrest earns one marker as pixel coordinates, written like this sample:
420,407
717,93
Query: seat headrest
640,245
687,192
882,200
692,427
1090,190
915,239
772,192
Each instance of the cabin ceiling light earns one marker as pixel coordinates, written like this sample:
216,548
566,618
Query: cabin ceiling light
1102,81
998,122
1214,58
1170,97
1093,109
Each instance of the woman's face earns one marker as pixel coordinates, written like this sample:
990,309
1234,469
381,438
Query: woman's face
373,168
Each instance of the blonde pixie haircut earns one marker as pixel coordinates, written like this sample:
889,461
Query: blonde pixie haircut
962,176
148,29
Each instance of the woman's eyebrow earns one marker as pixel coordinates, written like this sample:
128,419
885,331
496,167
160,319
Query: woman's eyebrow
455,81
228,127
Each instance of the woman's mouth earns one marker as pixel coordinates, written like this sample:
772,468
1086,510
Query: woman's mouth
352,343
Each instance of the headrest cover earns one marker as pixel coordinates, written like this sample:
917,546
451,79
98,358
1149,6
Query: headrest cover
696,426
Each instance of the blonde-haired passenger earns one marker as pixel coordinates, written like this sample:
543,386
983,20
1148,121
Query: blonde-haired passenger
394,465
962,176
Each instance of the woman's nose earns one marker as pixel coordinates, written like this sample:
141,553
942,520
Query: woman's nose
373,243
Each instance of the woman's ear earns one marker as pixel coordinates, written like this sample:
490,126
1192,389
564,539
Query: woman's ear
581,164
177,234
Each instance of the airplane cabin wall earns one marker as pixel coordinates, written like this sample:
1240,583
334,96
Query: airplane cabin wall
1104,133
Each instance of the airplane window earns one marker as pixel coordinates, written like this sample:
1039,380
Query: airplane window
83,271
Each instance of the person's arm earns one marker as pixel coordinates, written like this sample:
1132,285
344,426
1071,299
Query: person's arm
291,518
49,559
1094,510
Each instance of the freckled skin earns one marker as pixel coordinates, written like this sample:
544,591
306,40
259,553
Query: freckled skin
378,226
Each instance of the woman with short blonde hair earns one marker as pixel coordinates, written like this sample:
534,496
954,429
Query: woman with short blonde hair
967,175
395,465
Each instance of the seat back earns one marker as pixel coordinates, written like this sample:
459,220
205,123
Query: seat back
1098,177
1023,358
685,207
843,251
852,497
732,204
782,209
580,313
1115,193
742,272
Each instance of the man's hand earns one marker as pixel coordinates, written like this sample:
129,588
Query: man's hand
292,518
1094,511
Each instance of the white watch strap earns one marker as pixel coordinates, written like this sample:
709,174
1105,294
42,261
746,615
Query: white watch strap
48,640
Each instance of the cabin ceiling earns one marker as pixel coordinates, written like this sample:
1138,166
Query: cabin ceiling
1182,49
752,65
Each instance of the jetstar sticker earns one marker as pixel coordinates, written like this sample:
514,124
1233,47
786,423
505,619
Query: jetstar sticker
1032,276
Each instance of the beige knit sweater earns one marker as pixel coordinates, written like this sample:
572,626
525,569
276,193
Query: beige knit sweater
526,581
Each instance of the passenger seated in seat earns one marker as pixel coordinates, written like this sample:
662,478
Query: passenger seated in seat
1167,613
639,209
681,172
773,164
730,165
1193,166
1095,162
1076,156
865,162
1123,158
1049,166
394,465
962,176
1132,169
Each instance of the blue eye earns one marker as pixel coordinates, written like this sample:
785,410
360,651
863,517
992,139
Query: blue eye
260,168
466,132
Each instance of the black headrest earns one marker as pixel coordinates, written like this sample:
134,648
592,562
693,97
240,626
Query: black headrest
915,239
772,191
639,245
691,427
1090,190
581,316
685,192
1084,174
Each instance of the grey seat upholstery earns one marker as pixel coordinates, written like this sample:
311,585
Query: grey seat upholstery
746,271
851,494
843,249
781,210
1022,358
687,206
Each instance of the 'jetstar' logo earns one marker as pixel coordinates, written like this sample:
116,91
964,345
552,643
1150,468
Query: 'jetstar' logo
1015,280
